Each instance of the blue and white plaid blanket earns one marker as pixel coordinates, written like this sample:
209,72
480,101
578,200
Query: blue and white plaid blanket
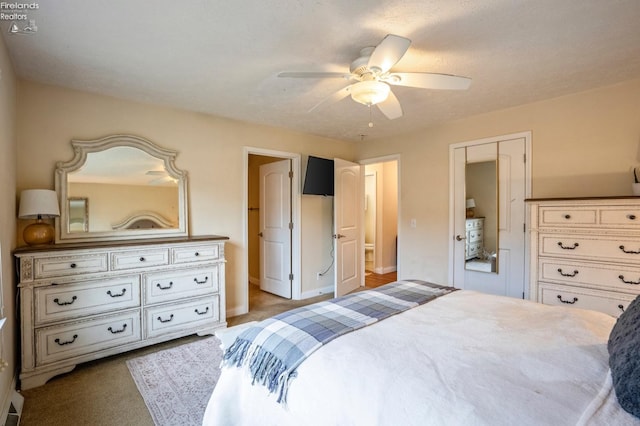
274,348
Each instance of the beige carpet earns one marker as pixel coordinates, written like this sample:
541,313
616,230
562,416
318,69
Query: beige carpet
176,383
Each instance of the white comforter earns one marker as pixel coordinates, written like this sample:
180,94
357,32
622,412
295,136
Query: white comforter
464,359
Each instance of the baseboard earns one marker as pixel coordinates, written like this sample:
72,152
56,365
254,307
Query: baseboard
316,292
235,311
254,280
386,270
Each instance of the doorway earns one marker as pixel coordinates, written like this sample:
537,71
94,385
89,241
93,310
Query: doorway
266,274
489,182
380,248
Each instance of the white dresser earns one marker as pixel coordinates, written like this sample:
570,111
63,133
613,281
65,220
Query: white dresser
585,252
474,245
80,302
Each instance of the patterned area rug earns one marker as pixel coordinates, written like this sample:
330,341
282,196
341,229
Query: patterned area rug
176,383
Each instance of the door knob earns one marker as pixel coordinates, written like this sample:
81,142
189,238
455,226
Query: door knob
338,236
459,238
259,234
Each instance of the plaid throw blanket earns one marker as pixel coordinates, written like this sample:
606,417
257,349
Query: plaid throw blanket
274,348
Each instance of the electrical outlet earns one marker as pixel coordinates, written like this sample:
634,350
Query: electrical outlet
318,276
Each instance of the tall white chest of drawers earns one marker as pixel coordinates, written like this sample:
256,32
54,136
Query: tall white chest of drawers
585,252
81,302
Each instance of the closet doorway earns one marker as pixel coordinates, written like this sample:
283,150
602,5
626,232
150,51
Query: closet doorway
273,255
381,188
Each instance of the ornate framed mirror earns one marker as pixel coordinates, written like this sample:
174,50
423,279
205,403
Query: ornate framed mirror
133,186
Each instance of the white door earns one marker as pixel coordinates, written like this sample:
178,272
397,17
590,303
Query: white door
348,213
509,277
275,228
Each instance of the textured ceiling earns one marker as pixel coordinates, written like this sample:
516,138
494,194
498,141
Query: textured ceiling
223,57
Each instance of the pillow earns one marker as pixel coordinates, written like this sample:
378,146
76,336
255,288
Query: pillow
624,358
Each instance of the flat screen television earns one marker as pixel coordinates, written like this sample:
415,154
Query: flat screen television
318,179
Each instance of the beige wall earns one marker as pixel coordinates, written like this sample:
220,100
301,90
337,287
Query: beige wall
210,150
583,145
8,213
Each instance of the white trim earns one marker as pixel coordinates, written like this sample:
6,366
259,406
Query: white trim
316,292
243,308
11,396
493,139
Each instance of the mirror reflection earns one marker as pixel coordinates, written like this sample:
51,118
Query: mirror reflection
125,186
132,186
78,215
481,244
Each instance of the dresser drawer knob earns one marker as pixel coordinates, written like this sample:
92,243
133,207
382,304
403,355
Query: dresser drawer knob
165,288
628,282
631,217
563,247
124,327
142,259
201,313
73,265
629,251
565,274
167,320
68,342
621,307
124,290
196,254
567,216
59,303
201,282
569,302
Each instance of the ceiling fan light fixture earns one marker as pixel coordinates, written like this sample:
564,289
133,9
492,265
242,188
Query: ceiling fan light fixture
370,92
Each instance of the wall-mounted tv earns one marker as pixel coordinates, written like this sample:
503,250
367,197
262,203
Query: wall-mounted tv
318,179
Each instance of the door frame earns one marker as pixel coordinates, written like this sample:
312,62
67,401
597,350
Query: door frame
243,307
376,160
493,139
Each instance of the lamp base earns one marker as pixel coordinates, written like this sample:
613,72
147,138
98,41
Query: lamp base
38,233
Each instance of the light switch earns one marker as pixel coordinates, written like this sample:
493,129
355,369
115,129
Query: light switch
413,223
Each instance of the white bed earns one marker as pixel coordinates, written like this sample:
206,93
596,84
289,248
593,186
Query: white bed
463,359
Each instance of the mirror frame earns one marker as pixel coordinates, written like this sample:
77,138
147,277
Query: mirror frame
83,147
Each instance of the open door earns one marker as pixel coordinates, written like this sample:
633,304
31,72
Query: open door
347,212
276,228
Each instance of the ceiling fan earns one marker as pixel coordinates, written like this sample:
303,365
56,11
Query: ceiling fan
372,76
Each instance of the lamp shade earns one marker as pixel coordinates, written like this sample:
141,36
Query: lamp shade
38,203
370,92
471,203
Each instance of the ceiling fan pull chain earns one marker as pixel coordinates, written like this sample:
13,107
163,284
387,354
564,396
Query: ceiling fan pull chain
370,117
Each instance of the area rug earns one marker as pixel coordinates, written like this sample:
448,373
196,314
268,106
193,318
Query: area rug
176,383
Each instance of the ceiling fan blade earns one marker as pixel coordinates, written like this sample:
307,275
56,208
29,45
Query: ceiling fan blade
391,107
337,96
388,52
425,80
314,74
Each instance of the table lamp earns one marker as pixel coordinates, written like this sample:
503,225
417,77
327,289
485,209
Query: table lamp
38,204
471,205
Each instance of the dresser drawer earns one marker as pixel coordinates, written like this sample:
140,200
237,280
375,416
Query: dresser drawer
618,249
475,236
611,303
567,216
625,217
474,224
607,275
139,259
195,253
178,316
66,341
60,266
166,286
67,301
